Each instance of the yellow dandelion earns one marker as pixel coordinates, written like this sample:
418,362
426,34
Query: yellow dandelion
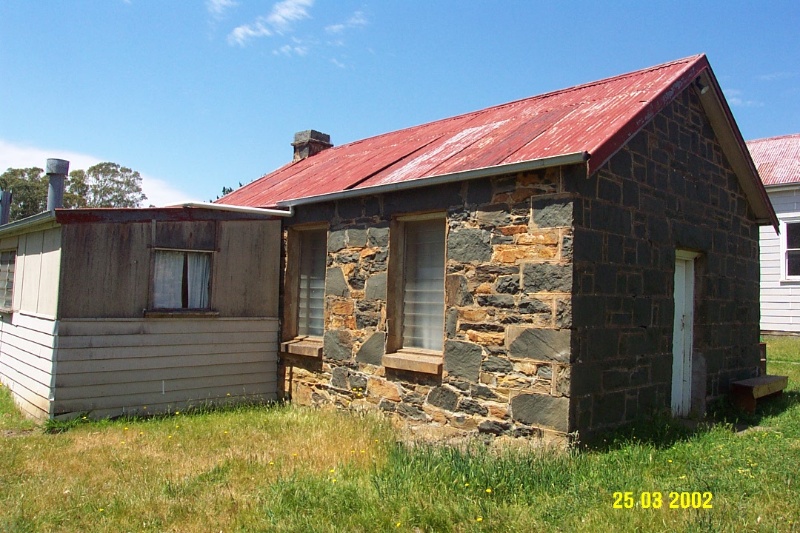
397,524
466,484
169,436
177,412
272,463
334,480
479,519
488,491
225,432
228,394
332,470
362,451
682,477
669,460
83,418
141,433
101,510
122,442
294,455
176,427
126,429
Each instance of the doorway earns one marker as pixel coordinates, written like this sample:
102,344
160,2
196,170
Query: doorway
682,333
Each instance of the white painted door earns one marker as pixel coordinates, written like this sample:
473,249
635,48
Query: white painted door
683,325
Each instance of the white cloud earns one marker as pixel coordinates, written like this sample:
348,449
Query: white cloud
158,191
777,76
735,98
355,21
279,21
217,8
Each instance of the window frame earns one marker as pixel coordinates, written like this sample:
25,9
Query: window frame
396,295
7,309
293,341
784,241
154,311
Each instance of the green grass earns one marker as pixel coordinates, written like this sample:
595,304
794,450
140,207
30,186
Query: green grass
283,468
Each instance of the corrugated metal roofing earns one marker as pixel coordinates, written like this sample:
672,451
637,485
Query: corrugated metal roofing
595,119
777,159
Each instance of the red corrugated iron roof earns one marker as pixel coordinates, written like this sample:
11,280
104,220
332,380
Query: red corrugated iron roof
595,119
777,159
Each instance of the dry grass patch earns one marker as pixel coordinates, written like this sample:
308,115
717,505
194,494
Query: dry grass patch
200,471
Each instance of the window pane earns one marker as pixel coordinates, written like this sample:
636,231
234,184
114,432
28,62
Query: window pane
793,263
311,298
198,274
7,260
423,294
168,280
793,235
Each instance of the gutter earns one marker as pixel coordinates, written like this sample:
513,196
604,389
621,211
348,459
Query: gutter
28,222
485,172
240,209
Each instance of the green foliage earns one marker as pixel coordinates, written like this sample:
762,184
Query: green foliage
101,185
29,187
112,185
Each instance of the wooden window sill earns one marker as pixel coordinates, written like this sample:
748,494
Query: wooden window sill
308,346
424,362
180,313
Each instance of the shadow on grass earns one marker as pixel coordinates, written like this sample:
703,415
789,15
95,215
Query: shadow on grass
663,431
62,425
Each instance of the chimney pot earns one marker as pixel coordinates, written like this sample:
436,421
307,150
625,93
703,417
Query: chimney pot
57,170
310,142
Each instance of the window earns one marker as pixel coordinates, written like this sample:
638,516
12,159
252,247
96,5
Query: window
792,250
181,279
420,307
311,290
7,261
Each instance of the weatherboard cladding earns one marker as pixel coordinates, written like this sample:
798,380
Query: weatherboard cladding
777,159
595,119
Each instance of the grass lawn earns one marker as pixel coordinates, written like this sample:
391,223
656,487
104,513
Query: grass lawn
289,469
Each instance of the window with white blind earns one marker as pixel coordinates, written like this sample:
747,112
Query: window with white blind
181,279
792,250
8,260
423,284
311,290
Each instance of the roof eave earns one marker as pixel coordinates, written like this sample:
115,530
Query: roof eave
522,166
735,148
43,220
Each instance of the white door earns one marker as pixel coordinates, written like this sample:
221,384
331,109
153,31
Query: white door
682,328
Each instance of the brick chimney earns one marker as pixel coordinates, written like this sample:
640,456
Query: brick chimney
308,143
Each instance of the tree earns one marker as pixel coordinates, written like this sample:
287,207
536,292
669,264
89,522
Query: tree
111,185
102,185
29,187
77,190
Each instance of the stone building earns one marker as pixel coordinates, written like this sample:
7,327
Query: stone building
560,264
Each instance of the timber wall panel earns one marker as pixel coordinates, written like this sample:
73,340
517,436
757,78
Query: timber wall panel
780,300
26,362
163,364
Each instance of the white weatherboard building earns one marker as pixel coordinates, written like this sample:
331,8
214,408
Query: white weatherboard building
778,163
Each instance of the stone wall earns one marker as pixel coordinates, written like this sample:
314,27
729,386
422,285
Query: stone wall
558,292
508,309
669,187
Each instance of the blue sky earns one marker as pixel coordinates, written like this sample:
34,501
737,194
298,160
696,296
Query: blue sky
197,95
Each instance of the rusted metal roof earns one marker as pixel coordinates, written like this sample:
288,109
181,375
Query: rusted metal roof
777,159
595,119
